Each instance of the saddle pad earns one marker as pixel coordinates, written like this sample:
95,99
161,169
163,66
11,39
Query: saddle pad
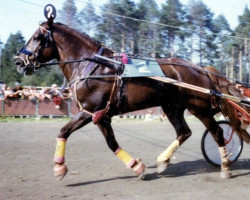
142,68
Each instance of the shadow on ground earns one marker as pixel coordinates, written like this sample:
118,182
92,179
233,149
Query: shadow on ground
185,168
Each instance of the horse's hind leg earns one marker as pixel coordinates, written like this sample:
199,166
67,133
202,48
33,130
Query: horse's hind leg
136,165
175,115
78,121
217,133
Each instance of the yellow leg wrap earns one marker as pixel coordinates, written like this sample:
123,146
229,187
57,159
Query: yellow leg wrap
168,153
125,157
60,150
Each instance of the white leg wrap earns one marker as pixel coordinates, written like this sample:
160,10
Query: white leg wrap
168,153
223,154
225,171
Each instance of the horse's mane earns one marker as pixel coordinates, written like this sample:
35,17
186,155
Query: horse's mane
223,85
83,37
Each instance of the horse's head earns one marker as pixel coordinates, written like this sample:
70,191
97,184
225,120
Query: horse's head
40,48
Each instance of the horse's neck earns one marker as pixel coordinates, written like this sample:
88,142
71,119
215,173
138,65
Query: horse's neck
77,51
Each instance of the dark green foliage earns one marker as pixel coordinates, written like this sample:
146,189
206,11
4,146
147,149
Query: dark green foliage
9,73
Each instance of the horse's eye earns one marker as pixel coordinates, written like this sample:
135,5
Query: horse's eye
38,37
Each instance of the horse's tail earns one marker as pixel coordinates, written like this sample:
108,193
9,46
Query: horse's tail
223,85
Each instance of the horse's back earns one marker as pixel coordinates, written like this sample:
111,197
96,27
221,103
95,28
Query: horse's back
184,71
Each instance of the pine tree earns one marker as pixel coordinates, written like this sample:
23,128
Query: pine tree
200,20
148,35
8,70
68,15
88,18
242,45
222,57
172,15
116,31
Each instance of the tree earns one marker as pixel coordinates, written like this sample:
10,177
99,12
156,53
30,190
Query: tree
1,44
173,16
222,30
242,44
116,31
201,41
149,34
88,18
68,15
12,46
44,77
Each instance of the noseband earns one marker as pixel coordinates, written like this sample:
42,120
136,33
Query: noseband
29,54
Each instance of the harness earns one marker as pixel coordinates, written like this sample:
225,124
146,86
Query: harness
29,53
97,116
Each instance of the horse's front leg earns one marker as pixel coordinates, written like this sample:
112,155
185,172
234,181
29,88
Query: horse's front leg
78,121
135,164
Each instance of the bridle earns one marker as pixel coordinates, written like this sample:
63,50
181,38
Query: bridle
31,57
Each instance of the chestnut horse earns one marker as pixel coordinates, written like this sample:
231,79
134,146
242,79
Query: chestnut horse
102,93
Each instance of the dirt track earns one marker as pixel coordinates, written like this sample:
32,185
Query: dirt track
95,173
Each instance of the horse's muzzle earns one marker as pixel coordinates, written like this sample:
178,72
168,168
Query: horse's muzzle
19,65
23,65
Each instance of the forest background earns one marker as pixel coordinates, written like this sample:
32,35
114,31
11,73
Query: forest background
143,28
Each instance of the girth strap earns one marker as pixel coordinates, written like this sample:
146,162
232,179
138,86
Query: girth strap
98,115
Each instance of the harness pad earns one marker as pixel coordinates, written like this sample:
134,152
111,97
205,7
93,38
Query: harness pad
142,68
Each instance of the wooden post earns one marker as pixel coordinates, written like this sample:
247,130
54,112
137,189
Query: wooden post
240,64
123,36
227,70
232,64
248,57
221,58
132,46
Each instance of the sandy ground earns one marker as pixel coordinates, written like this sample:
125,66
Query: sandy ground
95,173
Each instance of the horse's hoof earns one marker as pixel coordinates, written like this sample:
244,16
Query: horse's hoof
60,171
139,169
226,174
142,176
162,166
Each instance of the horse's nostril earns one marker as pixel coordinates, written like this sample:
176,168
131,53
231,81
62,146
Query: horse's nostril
18,63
